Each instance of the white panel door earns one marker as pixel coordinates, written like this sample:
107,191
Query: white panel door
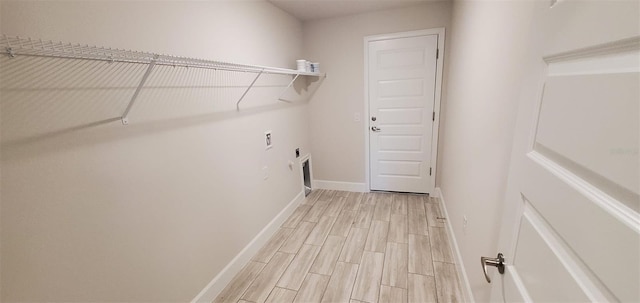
571,228
402,80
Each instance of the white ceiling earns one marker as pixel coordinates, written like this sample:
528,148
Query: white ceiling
319,9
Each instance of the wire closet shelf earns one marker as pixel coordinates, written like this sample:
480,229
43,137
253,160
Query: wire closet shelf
23,46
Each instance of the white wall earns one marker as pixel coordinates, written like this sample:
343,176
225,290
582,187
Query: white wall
488,43
96,211
338,44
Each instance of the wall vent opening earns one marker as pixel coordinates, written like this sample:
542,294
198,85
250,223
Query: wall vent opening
306,177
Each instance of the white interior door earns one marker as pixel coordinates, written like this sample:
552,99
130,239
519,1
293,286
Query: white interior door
571,228
402,82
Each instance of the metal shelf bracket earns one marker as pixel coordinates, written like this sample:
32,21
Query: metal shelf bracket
248,88
286,88
125,119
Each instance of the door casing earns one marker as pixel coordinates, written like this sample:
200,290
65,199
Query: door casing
440,32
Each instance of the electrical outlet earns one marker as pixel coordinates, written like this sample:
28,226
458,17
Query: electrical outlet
265,172
356,117
268,139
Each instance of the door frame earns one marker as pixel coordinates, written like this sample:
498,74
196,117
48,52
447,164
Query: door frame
440,32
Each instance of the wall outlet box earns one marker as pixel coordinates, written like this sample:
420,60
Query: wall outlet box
268,139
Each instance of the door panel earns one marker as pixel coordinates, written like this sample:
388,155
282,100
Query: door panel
558,284
604,121
402,79
576,176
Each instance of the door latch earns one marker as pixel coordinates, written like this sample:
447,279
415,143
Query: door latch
495,262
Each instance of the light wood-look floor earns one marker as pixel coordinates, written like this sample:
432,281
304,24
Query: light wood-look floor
353,247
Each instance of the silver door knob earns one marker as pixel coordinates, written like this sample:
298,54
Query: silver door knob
495,262
375,129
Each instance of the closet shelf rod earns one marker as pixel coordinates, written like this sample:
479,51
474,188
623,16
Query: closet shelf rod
19,46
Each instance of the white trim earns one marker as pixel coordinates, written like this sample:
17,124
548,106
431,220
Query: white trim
220,281
462,272
440,32
337,185
517,282
588,282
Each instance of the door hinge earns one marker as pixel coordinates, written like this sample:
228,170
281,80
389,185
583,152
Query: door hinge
437,53
433,117
430,171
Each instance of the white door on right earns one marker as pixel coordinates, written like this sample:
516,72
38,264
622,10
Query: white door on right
573,198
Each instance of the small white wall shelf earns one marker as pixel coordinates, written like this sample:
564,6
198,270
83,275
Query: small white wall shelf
20,46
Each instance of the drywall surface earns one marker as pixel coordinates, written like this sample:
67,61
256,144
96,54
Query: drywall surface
488,41
96,211
338,44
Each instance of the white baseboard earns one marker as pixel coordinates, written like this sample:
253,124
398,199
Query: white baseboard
462,272
337,185
220,281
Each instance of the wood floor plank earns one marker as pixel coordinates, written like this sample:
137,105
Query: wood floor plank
382,211
417,217
328,256
321,231
296,217
367,285
312,197
369,199
315,213
335,206
281,295
440,250
268,250
341,283
399,204
343,223
354,246
294,275
353,201
364,216
395,265
398,229
447,285
297,237
434,215
389,294
341,193
420,261
327,195
422,289
312,288
261,287
239,284
377,238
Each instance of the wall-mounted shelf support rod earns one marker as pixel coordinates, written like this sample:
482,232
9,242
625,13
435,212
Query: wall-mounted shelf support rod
286,88
248,88
125,115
